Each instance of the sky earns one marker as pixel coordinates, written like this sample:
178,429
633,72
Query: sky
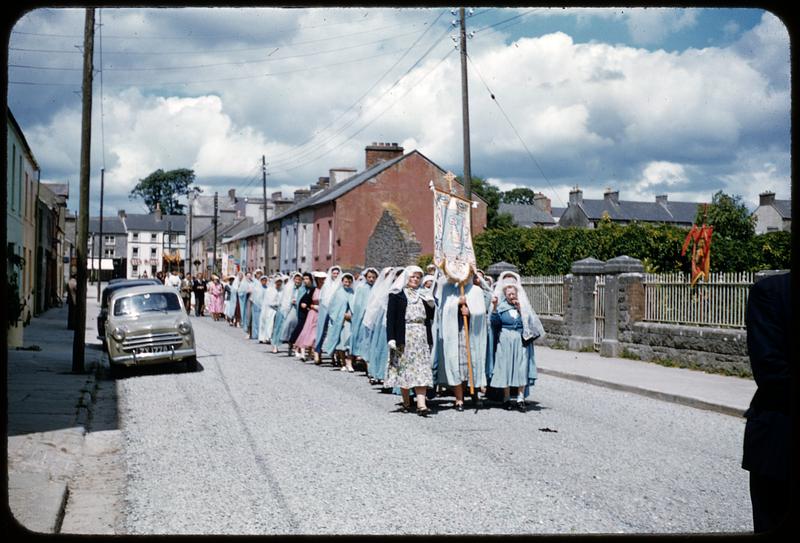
683,102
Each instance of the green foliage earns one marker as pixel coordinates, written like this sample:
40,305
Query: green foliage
518,196
164,188
491,195
425,260
551,251
729,217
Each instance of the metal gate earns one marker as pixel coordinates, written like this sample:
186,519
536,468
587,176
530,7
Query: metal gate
599,310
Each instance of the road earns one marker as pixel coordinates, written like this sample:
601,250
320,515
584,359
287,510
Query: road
255,443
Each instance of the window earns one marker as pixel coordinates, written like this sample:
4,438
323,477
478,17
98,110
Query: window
330,238
135,236
142,303
317,241
135,251
135,269
153,252
108,253
110,240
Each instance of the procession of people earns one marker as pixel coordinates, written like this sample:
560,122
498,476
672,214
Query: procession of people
413,333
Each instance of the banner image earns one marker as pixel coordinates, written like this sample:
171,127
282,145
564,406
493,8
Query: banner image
452,236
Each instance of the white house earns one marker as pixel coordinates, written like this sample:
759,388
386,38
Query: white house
772,215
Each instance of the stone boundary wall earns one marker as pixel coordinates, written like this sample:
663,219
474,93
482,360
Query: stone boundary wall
625,334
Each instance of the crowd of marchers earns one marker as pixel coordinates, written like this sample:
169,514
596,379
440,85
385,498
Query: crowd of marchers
414,334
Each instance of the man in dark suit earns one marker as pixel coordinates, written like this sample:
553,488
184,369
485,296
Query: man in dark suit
767,436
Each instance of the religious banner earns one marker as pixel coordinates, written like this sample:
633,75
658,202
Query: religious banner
700,237
452,234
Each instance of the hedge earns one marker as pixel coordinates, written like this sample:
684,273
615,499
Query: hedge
551,251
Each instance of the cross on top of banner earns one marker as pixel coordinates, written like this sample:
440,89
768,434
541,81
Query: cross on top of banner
450,177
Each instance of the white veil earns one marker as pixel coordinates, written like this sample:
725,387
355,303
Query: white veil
531,324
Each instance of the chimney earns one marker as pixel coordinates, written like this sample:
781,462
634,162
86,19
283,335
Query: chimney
158,212
542,202
576,196
324,182
301,194
277,196
662,199
381,152
611,195
337,175
121,214
232,195
766,198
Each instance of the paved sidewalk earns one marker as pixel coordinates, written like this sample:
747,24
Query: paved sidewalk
729,395
49,410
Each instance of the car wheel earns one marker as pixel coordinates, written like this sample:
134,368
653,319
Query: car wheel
191,363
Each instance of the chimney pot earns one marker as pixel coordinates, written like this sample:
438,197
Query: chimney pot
661,199
611,195
766,198
576,196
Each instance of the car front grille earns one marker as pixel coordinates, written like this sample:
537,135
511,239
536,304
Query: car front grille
162,339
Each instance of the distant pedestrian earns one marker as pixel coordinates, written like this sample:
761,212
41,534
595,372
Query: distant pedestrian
172,280
290,304
72,301
199,286
768,453
340,313
304,344
216,292
186,292
269,309
359,340
408,331
331,285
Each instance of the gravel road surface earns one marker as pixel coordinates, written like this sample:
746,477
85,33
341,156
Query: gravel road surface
255,443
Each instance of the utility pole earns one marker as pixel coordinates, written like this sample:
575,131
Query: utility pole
264,190
169,244
82,223
189,239
465,107
214,258
102,241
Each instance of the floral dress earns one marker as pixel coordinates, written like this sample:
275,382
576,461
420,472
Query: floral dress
410,364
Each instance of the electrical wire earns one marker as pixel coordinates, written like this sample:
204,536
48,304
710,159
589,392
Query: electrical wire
363,95
438,40
511,124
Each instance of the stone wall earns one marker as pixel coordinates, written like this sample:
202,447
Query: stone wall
391,244
626,335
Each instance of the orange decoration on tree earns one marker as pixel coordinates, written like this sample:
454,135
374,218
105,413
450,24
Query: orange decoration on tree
701,250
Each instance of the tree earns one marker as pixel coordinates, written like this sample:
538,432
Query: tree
521,195
729,217
164,188
491,195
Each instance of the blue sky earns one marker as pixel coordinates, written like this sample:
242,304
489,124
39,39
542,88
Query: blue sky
645,101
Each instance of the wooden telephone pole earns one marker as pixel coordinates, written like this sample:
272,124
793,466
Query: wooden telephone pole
82,225
264,189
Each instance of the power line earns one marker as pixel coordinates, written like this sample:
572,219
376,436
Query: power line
500,107
410,88
352,121
360,98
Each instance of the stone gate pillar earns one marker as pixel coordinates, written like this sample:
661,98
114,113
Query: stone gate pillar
580,310
623,302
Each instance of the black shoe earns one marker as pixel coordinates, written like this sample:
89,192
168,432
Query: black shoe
460,407
423,412
507,405
521,406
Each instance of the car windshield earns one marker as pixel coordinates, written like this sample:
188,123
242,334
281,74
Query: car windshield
145,302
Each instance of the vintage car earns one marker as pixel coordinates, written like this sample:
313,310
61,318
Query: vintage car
114,286
148,324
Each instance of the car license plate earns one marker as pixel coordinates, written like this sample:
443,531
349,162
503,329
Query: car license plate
153,349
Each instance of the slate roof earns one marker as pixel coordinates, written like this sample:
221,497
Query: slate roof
111,225
526,214
221,229
248,230
343,187
148,222
783,207
673,212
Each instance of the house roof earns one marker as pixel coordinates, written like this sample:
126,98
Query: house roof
343,187
672,212
149,222
222,230
784,208
111,225
526,214
252,230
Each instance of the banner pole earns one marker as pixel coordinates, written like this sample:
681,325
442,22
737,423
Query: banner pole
469,357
